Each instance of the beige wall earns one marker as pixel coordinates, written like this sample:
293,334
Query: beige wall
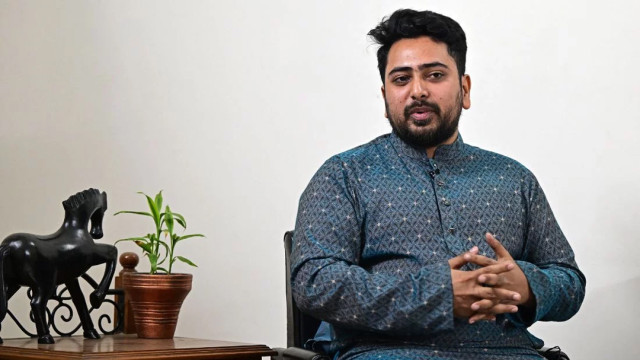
230,107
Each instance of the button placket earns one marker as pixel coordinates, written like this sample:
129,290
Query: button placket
443,190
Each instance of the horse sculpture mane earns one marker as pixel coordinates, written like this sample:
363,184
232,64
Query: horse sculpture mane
77,200
44,262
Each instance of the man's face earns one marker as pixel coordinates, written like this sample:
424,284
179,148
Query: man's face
423,93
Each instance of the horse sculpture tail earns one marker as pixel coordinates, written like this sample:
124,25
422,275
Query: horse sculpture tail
4,302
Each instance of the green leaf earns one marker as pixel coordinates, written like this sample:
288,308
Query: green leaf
180,219
152,238
187,261
154,209
158,200
132,239
145,246
166,251
133,212
164,245
190,236
163,270
168,219
153,259
176,217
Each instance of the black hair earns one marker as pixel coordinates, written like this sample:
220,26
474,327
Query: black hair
407,23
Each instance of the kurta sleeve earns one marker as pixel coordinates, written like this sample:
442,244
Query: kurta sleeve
328,283
549,265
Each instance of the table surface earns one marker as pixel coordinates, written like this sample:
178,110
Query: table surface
130,347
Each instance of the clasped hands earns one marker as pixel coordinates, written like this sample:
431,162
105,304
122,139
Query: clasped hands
499,286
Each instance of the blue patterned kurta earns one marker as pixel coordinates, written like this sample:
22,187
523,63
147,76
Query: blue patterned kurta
376,227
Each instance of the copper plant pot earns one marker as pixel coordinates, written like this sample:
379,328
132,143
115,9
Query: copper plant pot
156,301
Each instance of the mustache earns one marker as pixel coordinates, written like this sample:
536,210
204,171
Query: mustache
421,103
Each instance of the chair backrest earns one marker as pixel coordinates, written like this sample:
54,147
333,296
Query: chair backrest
300,327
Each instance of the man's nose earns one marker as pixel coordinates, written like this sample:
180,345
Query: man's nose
419,89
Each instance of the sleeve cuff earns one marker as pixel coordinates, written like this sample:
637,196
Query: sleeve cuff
539,285
436,298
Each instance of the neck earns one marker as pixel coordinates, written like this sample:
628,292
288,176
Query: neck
74,221
431,151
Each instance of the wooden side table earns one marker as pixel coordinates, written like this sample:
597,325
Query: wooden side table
129,347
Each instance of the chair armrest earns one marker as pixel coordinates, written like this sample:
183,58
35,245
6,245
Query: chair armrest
294,353
553,353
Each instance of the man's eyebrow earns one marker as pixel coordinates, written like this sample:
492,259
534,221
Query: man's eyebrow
432,64
420,67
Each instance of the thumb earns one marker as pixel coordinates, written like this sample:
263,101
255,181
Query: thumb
497,247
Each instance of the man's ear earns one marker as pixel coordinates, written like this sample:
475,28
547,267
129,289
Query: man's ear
384,97
466,91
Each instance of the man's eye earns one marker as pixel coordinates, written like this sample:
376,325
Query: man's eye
401,80
437,75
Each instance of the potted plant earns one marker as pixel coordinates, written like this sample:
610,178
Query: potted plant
156,297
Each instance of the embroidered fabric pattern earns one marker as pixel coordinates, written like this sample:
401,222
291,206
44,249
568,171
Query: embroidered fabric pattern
375,229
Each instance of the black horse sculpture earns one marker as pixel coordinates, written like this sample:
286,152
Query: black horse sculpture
44,262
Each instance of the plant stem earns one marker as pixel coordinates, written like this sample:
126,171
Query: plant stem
171,245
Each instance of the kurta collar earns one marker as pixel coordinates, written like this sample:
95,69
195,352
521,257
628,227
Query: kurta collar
443,152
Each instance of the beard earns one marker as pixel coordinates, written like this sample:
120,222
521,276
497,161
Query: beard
424,137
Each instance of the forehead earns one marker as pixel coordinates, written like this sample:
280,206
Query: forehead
417,51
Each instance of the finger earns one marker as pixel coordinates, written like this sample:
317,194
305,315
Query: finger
482,305
497,294
491,313
459,261
479,259
497,268
491,280
481,316
503,309
497,247
488,307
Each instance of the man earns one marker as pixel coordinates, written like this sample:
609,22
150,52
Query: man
419,246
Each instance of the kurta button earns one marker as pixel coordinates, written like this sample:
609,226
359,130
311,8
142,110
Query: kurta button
440,183
452,230
446,202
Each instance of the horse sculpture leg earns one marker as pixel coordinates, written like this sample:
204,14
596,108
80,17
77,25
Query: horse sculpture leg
11,290
81,305
41,296
104,254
